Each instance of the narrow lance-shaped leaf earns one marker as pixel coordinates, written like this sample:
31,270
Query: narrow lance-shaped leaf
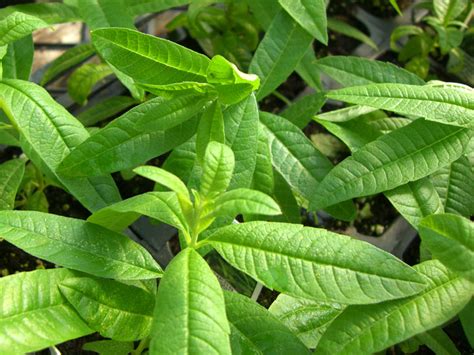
438,341
310,14
18,25
244,201
29,106
455,186
348,30
450,238
105,109
11,174
353,71
122,145
407,154
302,111
17,62
254,330
140,7
108,308
163,177
298,161
106,13
308,319
443,104
217,169
371,328
149,59
315,263
211,128
83,80
241,134
78,245
50,13
189,315
162,206
67,60
277,55
34,315
109,347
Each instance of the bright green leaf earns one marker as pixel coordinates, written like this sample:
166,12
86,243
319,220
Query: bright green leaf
254,330
450,238
211,128
315,263
114,309
11,174
78,245
190,315
83,80
372,328
34,315
18,60
407,154
105,109
18,25
106,13
217,169
244,201
348,30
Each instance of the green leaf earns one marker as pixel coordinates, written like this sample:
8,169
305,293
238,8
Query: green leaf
455,185
83,80
396,7
308,71
241,134
78,245
291,212
67,60
345,114
254,330
11,174
305,318
115,310
372,328
51,13
163,177
403,31
310,14
29,106
140,7
105,109
34,315
263,175
244,201
467,321
37,202
298,161
216,170
127,141
109,347
302,111
438,341
18,25
407,154
231,84
315,263
450,238
443,104
211,128
162,206
149,59
448,10
353,71
190,315
106,13
18,60
350,31
280,50
264,11
416,200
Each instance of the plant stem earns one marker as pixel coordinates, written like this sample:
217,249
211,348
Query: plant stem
282,97
141,346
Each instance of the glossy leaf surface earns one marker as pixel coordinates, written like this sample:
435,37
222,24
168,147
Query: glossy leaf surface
78,245
443,104
11,174
315,263
245,201
254,330
34,314
368,329
83,80
450,238
407,154
114,309
217,169
190,312
149,59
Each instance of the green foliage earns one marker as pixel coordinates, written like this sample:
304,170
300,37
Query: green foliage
235,181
